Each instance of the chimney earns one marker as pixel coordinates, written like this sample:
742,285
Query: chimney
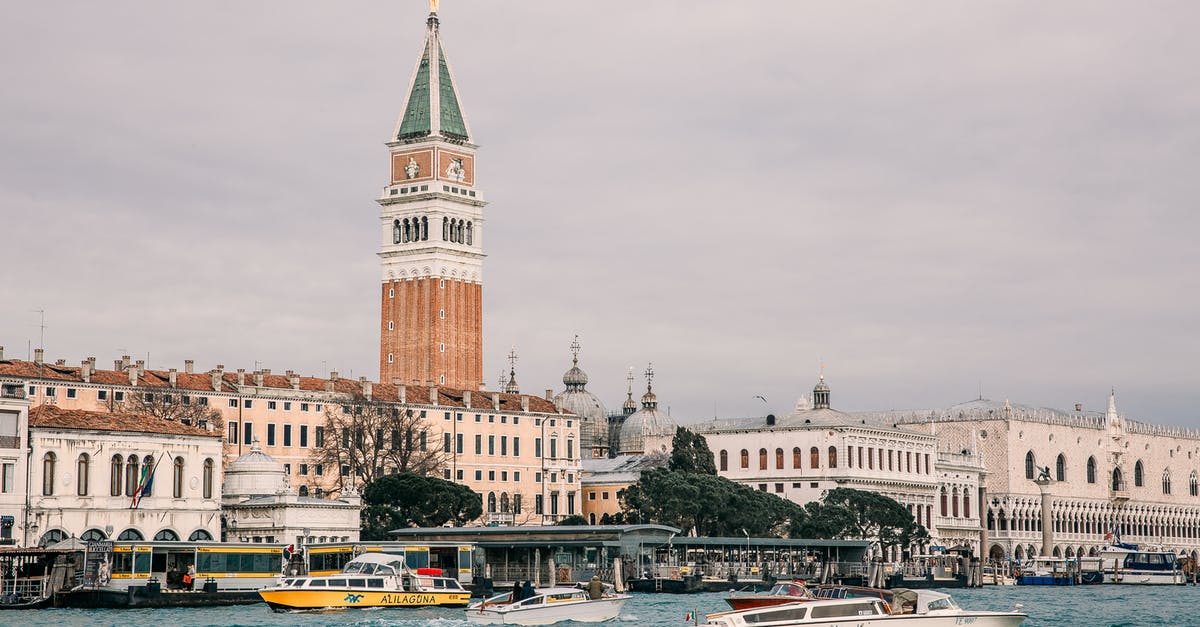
549,394
433,395
329,385
290,373
173,377
1,352
141,367
124,362
38,355
524,403
294,380
770,420
189,366
258,378
85,371
241,376
133,375
266,371
333,376
558,406
401,391
367,388
496,401
60,362
467,399
217,376
1078,406
117,366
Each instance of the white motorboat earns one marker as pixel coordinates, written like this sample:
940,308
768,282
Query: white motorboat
1127,563
916,608
547,606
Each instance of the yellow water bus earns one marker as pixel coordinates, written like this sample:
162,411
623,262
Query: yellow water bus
369,580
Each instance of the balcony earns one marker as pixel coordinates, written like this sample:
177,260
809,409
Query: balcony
1119,495
12,391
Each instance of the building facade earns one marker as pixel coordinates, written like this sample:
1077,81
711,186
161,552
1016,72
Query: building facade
14,464
431,295
99,475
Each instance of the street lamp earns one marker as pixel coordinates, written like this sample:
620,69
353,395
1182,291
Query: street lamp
747,534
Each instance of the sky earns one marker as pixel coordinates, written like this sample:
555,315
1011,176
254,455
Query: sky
935,200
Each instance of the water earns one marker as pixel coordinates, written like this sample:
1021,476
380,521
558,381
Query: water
1081,606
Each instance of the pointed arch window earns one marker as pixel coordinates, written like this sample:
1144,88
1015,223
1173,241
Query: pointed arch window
745,459
1091,470
954,504
1166,482
1118,482
1193,488
1139,475
424,228
177,483
814,458
945,498
762,459
504,502
724,460
208,478
1029,465
833,457
778,459
118,465
966,499
797,455
82,466
1060,468
469,235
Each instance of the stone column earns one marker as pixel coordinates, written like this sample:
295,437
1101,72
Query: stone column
1043,483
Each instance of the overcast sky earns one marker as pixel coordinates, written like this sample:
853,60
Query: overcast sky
929,197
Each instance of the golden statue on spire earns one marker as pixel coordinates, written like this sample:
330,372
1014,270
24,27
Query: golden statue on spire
433,6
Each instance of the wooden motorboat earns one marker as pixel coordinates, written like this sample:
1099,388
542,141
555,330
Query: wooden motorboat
547,606
782,592
927,608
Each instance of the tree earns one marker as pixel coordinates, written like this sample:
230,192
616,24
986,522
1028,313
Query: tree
690,453
575,519
707,504
412,500
167,404
374,438
858,514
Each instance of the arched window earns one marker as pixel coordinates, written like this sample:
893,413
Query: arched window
762,459
51,537
200,535
1060,468
81,474
424,228
177,483
445,229
462,231
724,460
131,534
814,457
118,464
504,502
954,504
745,459
1029,465
148,470
1193,488
517,503
491,502
778,459
303,490
796,456
48,474
395,231
1091,470
208,478
833,457
1166,482
966,504
131,475
470,236
1118,482
944,502
167,535
93,535
1138,474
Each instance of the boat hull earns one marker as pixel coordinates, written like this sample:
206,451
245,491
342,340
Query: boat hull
594,611
292,600
748,602
975,619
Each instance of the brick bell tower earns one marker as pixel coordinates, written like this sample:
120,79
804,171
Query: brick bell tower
431,323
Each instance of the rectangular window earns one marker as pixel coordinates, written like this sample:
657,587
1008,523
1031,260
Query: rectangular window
778,488
71,392
233,402
591,496
570,448
458,444
303,470
303,406
491,475
553,448
248,403
320,468
445,442
287,406
318,436
479,475
446,474
233,432
516,446
287,469
287,435
537,476
604,495
7,472
537,447
504,445
491,445
504,475
516,475
271,434
102,395
118,396
345,470
248,432
459,475
554,503
478,418
478,444
270,404
51,392
202,401
303,436
538,504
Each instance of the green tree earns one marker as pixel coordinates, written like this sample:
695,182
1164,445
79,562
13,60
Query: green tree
690,453
858,514
708,504
408,499
572,520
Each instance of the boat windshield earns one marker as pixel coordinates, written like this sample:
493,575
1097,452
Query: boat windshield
943,604
787,590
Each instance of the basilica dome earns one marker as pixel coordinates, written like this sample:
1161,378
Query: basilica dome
593,427
649,430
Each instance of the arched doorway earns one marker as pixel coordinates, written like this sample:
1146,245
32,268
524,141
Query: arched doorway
996,553
1019,553
1056,552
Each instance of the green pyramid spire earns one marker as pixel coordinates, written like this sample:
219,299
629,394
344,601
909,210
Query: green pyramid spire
432,107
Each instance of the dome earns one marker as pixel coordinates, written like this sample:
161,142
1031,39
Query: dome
575,378
253,474
648,430
593,427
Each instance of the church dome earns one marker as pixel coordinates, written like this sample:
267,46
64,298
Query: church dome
593,429
575,378
649,429
253,474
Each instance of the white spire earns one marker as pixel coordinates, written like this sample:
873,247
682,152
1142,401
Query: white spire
1110,415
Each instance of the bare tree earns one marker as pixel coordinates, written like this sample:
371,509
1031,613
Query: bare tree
372,438
170,404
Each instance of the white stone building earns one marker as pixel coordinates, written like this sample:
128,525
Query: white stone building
260,505
1108,474
86,468
14,444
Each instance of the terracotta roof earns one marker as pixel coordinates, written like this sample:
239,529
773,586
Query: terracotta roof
202,382
53,417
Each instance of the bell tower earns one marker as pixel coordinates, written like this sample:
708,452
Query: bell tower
431,223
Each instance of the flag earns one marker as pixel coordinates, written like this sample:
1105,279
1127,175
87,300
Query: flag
145,484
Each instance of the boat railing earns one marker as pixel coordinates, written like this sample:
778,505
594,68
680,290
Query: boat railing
25,587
